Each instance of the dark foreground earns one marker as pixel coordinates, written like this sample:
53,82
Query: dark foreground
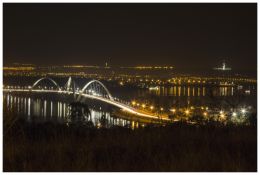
179,147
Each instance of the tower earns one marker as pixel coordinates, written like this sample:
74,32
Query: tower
223,67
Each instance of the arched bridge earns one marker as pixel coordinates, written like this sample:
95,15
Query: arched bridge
93,89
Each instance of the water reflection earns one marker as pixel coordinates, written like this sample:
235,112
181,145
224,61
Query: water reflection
192,91
29,107
41,110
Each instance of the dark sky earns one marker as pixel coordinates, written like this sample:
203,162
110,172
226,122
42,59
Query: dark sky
187,36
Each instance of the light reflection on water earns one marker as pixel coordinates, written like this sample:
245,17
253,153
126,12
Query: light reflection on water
41,110
191,91
167,97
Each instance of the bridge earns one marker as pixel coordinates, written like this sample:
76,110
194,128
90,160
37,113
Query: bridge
93,89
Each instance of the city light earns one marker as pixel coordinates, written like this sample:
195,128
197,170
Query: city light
187,111
173,110
101,93
222,116
243,110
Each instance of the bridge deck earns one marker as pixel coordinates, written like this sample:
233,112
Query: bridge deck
109,101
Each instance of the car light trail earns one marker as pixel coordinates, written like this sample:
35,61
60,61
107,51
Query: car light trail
109,101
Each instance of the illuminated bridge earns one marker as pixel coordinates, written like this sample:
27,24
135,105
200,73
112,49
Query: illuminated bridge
93,89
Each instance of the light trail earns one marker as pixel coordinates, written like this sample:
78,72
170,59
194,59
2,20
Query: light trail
109,101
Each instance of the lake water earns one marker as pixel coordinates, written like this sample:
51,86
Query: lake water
36,109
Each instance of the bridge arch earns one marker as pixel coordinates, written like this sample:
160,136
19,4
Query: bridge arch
100,83
45,78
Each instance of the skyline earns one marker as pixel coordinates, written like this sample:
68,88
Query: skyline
186,36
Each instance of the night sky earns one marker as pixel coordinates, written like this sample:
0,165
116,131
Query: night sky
187,36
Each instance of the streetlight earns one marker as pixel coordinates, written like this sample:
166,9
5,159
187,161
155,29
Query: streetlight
143,105
133,103
234,114
173,110
243,110
151,107
222,116
187,112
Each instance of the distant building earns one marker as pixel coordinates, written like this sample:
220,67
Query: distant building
223,68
